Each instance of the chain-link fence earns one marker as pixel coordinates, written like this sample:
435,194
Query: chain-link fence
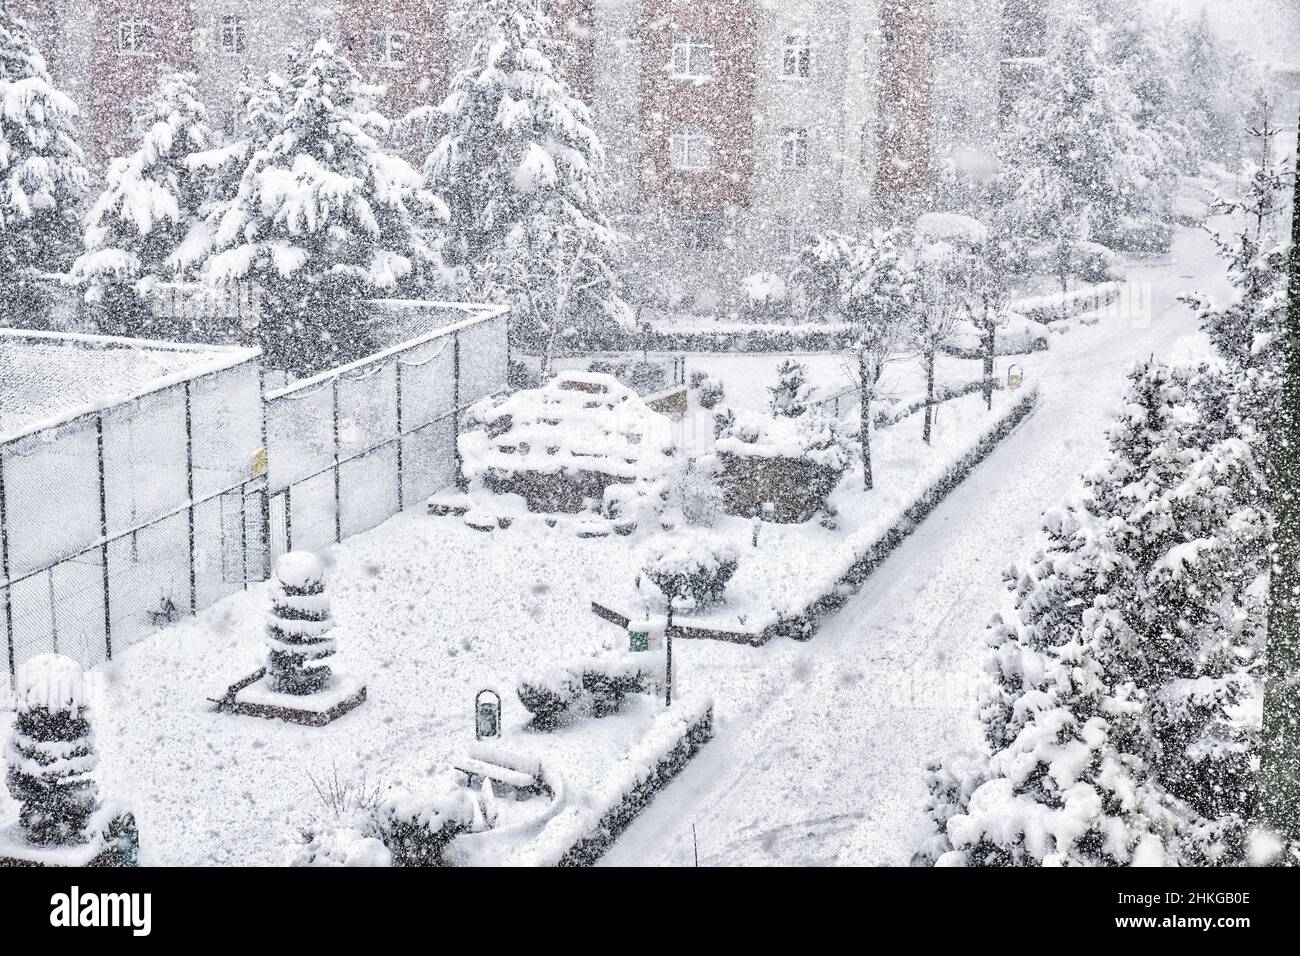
352,446
155,502
129,512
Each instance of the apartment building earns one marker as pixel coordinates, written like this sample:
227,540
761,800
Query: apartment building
735,129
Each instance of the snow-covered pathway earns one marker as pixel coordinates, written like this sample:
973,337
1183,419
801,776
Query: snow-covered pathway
826,766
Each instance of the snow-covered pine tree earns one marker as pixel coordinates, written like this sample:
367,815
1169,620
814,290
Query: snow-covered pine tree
323,219
1075,159
1118,716
521,167
297,632
1214,85
51,752
148,207
792,392
42,176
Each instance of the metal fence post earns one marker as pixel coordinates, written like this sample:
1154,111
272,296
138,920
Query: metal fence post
103,531
401,498
243,530
265,504
455,407
4,572
338,508
189,494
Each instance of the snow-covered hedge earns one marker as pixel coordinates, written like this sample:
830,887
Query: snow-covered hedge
691,566
794,463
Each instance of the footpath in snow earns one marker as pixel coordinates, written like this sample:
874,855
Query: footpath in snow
820,747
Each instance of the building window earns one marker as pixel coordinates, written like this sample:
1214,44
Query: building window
691,151
388,46
134,36
794,147
692,59
790,239
796,57
230,35
701,231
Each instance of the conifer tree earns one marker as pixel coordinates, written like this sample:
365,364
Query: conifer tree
148,208
791,393
42,176
1118,716
522,168
323,219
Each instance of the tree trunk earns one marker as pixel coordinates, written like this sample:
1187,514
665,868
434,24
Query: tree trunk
990,347
1278,807
929,395
864,377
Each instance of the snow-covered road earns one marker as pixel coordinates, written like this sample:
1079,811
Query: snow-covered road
826,765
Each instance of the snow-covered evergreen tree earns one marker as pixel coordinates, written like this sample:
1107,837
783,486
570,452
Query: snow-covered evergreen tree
522,167
1245,326
1119,718
297,632
42,176
324,218
792,392
148,207
51,752
1079,167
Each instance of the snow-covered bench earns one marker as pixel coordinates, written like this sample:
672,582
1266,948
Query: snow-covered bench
522,775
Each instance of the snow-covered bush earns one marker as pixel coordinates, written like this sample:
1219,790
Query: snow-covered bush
297,629
696,492
601,684
416,828
342,846
51,752
765,295
549,696
694,566
401,829
561,447
710,393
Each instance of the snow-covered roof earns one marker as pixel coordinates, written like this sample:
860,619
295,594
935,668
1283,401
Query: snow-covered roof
50,378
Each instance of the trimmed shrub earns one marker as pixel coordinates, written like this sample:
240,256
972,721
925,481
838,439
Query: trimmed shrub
692,567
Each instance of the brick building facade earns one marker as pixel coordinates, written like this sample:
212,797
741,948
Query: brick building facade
734,129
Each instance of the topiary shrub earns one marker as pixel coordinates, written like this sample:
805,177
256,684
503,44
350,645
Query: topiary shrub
297,641
51,753
691,566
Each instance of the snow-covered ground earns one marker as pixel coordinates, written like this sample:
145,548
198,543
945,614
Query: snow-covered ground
820,746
